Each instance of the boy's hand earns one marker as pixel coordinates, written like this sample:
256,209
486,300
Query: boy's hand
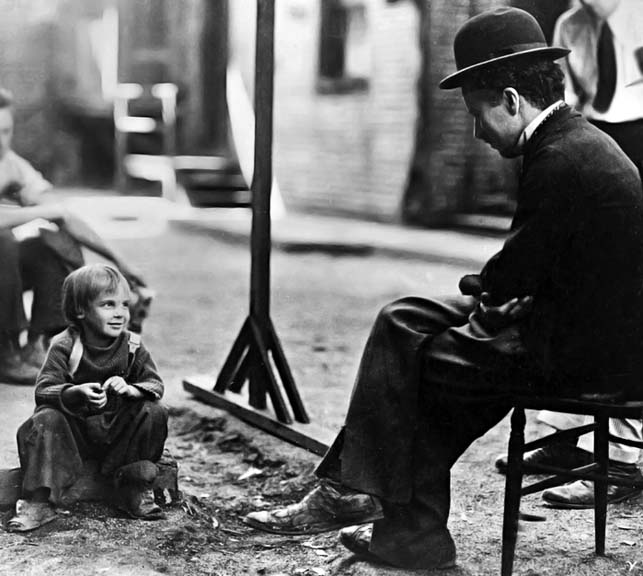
118,386
91,394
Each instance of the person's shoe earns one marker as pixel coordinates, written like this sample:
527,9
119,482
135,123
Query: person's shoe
14,371
323,509
140,504
30,516
357,539
580,493
561,454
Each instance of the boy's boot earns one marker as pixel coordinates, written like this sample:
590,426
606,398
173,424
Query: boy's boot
134,494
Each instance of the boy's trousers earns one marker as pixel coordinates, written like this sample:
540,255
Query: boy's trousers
52,445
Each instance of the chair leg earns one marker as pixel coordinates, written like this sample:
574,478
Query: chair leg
601,435
513,489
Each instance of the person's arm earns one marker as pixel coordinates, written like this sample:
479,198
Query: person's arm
529,254
11,216
85,235
559,40
144,374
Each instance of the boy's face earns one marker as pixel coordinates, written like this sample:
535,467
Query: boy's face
106,317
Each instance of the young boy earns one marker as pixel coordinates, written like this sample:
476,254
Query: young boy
97,398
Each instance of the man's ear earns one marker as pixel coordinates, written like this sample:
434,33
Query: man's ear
511,99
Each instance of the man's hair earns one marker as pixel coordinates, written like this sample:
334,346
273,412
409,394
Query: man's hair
539,81
6,98
86,284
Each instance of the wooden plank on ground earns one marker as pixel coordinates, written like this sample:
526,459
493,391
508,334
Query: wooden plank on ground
312,438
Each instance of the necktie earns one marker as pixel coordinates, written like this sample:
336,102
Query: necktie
606,59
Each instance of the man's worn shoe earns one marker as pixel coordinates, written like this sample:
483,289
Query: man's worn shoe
580,493
14,371
323,509
357,539
561,454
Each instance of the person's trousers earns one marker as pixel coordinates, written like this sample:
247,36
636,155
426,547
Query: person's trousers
52,445
30,265
430,382
624,428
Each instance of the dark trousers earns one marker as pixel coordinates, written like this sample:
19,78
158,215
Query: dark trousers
432,379
52,445
30,265
628,135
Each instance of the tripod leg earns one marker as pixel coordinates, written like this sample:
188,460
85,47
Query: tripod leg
233,362
286,377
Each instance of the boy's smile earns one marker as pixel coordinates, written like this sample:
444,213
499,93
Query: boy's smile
106,317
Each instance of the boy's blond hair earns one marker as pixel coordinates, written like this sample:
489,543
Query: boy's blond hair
84,285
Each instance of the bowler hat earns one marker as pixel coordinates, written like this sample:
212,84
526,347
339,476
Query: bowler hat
495,36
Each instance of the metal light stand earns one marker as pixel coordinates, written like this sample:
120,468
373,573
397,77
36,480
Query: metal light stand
256,352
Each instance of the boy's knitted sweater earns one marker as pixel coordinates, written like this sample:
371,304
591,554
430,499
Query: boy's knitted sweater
96,365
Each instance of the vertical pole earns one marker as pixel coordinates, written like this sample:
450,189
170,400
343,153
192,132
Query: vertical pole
262,178
261,187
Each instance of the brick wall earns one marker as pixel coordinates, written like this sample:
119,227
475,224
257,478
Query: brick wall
350,153
336,153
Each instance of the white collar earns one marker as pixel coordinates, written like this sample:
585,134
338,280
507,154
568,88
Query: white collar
528,132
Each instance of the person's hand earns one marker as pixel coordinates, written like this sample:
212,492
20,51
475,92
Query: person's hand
498,317
91,394
118,386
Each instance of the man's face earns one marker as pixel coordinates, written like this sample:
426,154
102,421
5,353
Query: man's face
6,130
602,8
493,122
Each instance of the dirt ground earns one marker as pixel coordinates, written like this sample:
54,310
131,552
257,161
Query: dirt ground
322,307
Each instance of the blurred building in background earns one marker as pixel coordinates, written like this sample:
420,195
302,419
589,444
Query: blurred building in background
352,77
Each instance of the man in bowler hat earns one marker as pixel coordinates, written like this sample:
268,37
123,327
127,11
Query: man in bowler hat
556,311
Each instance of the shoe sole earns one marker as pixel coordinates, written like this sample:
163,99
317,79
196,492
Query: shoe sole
313,529
370,557
558,505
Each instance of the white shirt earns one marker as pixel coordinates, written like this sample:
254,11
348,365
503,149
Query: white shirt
578,30
16,170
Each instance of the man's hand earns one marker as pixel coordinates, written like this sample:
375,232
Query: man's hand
121,388
498,317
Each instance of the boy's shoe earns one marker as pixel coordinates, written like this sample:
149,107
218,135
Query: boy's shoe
324,509
140,504
357,539
31,515
580,493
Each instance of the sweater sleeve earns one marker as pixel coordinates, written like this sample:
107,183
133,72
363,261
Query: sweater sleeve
144,374
53,378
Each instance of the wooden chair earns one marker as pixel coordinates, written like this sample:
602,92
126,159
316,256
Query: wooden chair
602,409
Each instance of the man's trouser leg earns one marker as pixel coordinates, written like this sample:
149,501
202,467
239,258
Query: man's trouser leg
427,387
625,428
12,317
43,271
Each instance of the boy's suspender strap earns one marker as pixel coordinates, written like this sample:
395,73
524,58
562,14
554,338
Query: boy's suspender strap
75,355
134,343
